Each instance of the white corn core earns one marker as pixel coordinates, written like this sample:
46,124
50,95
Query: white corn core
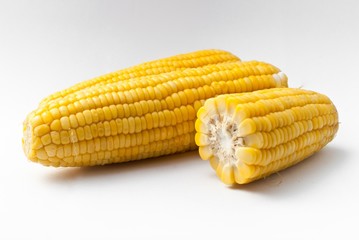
224,139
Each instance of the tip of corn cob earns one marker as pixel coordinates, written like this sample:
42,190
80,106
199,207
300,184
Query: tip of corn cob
29,142
27,138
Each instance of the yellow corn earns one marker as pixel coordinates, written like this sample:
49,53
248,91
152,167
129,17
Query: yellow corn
248,136
135,118
178,62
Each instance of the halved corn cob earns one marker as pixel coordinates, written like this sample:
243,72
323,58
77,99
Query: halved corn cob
136,118
178,62
248,136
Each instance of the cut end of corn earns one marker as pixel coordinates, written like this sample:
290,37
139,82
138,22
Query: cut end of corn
248,136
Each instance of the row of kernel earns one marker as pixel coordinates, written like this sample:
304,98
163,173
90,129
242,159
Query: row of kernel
136,124
120,141
288,148
153,149
144,83
141,69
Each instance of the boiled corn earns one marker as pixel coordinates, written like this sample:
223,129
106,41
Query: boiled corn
248,136
135,118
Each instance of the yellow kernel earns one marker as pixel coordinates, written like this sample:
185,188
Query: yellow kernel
157,134
110,143
151,106
201,94
41,130
131,125
90,146
132,110
55,125
113,111
100,114
46,139
64,111
36,121
127,141
126,110
161,119
138,108
125,126
103,143
36,143
103,100
113,127
55,113
191,112
55,137
91,103
80,133
41,154
82,147
65,138
65,123
60,152
143,123
116,142
95,116
88,134
51,150
183,98
173,118
97,142
170,132
167,116
88,117
80,119
107,128
176,100
73,121
120,111
67,150
71,108
178,114
46,117
184,113
155,119
78,107
138,126
170,103
100,129
94,131
107,113
157,105
189,95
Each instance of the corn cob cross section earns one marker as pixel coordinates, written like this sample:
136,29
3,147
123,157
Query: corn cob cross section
248,136
135,118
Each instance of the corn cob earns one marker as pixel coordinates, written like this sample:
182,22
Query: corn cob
248,136
135,118
178,62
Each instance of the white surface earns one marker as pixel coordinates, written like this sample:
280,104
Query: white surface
49,45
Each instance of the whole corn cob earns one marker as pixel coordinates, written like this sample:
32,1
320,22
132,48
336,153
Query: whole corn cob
135,118
248,136
177,62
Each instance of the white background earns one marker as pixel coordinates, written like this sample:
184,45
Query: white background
46,46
